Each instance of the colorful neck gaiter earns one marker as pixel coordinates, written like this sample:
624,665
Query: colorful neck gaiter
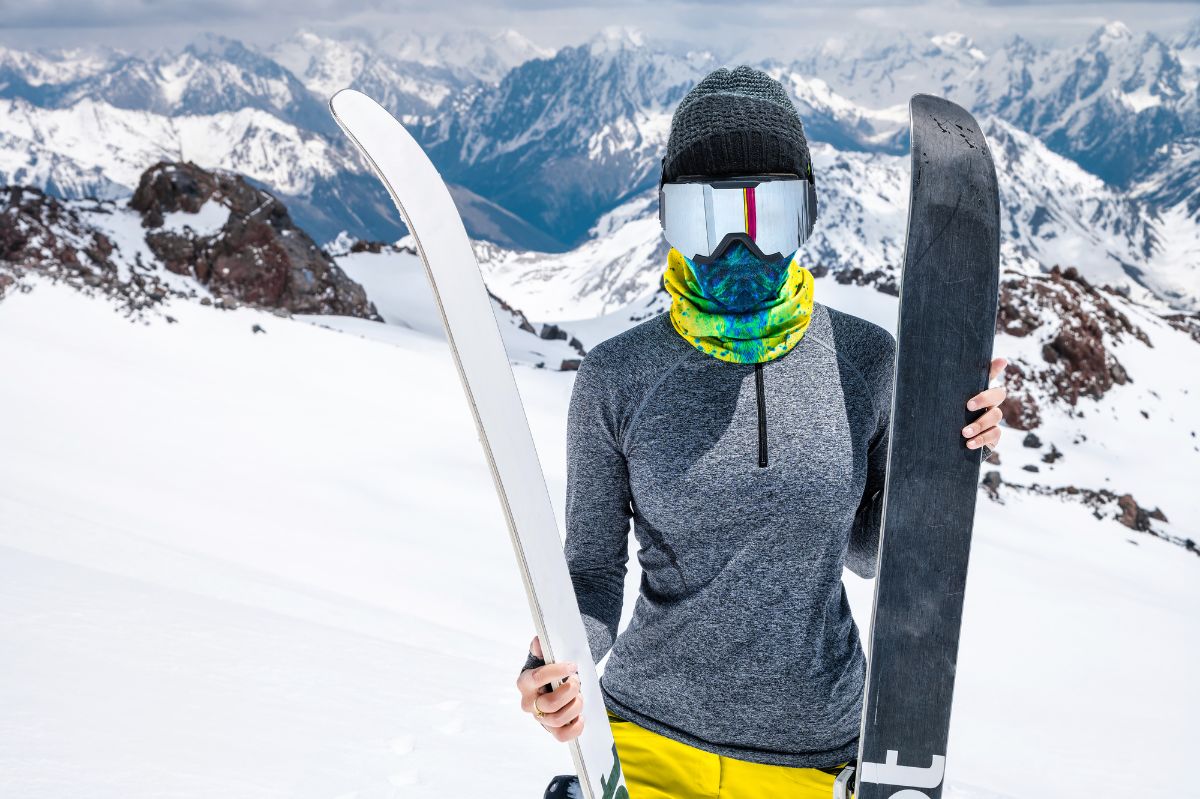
739,309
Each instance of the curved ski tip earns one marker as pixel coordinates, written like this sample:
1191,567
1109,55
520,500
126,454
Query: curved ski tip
932,104
338,97
929,102
345,99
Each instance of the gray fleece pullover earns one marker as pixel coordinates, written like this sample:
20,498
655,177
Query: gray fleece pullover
741,642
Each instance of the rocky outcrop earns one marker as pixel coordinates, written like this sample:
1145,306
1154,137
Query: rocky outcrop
855,276
37,232
255,256
363,245
237,241
553,332
1075,322
1020,406
1105,504
42,235
1188,323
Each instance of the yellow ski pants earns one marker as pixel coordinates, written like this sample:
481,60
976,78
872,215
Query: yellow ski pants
657,767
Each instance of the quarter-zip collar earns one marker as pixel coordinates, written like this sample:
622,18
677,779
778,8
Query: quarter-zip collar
760,394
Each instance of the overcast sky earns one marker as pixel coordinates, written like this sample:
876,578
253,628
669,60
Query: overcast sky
722,25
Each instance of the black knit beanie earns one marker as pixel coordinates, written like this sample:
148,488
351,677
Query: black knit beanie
736,122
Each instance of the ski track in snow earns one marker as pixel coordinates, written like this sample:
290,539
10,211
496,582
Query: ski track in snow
274,566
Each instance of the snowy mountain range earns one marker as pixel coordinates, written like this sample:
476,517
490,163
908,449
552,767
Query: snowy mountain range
540,145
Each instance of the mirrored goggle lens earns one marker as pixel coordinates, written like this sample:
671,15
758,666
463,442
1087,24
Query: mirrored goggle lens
777,215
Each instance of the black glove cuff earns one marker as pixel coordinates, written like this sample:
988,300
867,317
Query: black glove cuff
532,662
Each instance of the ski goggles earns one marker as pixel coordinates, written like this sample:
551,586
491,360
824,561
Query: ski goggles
771,214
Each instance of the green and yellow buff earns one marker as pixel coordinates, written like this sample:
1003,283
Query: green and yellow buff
741,310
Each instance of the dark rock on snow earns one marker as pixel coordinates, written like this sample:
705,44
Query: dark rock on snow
40,234
258,256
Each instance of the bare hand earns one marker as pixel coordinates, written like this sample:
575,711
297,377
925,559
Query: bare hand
985,429
561,707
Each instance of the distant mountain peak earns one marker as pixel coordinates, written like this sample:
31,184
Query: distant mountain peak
217,45
516,39
959,41
952,39
1114,31
307,36
471,53
1020,48
616,37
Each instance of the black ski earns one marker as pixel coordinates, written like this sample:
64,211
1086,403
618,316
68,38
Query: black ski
948,302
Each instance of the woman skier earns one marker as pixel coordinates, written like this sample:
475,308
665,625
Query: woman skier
745,433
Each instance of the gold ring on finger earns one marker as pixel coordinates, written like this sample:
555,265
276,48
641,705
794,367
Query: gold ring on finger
537,711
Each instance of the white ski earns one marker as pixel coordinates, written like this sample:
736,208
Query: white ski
433,220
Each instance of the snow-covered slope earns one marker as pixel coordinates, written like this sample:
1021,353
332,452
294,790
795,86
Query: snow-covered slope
394,279
202,595
272,563
616,266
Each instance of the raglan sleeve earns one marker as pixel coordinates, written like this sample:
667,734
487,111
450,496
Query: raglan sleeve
598,499
862,555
